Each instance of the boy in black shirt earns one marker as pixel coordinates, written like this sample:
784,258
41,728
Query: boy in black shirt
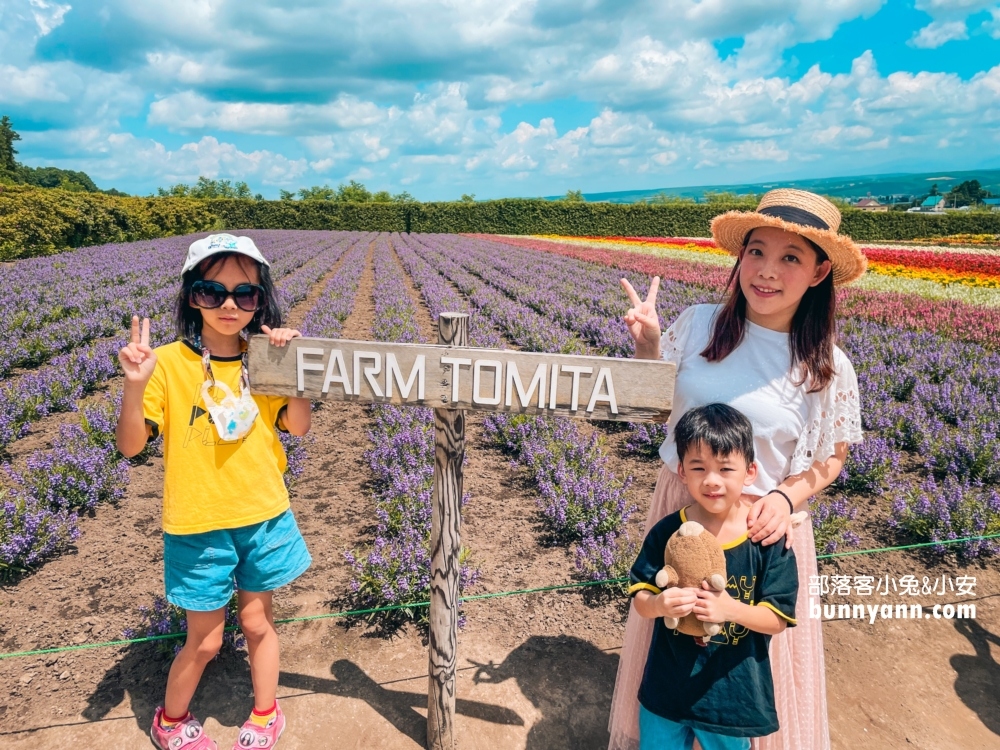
718,688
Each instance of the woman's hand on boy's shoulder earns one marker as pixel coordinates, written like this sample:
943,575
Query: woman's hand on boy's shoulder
280,336
138,360
770,520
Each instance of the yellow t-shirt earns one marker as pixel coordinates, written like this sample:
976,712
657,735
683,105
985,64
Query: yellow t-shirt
210,484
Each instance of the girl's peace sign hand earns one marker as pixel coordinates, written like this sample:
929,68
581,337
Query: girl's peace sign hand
138,360
642,321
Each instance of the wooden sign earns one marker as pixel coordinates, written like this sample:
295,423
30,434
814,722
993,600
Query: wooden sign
448,377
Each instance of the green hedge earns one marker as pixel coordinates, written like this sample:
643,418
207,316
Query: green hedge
40,222
556,217
374,217
885,226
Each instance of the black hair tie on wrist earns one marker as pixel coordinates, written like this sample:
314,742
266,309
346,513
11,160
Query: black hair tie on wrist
791,508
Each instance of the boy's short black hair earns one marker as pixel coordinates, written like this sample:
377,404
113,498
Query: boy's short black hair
719,426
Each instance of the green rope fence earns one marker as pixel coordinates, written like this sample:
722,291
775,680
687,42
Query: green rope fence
472,598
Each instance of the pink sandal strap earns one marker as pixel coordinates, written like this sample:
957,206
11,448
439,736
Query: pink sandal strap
187,735
254,736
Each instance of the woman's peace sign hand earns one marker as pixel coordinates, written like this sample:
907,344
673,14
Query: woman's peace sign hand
138,360
642,321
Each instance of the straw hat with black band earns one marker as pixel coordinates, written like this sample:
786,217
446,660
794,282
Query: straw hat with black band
807,214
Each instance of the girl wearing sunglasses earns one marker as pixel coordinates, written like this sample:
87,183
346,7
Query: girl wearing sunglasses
226,515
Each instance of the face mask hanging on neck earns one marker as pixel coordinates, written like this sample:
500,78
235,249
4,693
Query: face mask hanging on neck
233,417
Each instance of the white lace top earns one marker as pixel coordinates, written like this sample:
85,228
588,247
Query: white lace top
792,428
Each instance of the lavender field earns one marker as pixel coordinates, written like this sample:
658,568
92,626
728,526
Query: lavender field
931,403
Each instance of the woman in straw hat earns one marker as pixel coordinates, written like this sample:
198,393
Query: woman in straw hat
768,351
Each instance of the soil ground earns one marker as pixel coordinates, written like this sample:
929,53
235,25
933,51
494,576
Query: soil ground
535,671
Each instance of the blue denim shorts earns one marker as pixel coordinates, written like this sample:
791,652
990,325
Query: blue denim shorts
199,570
657,733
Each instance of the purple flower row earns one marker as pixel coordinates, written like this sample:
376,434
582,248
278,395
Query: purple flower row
583,299
832,521
441,297
325,319
41,502
395,569
522,326
581,500
948,509
58,303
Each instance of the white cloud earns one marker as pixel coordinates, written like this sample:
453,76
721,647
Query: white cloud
33,84
840,133
879,144
113,157
188,69
949,22
936,33
48,15
322,165
214,159
938,8
993,25
191,111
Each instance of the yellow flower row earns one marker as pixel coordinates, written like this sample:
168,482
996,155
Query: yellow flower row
962,239
937,275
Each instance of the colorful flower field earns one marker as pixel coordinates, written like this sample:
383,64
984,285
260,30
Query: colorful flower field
928,366
962,274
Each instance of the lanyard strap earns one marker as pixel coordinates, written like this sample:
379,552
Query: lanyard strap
206,364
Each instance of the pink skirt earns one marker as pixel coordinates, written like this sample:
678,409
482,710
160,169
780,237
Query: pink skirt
796,653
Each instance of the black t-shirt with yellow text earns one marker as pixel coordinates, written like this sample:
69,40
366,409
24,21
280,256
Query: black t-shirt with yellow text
724,686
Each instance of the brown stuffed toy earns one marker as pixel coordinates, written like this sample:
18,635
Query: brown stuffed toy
693,555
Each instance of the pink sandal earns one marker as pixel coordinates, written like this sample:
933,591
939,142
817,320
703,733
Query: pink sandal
187,734
252,735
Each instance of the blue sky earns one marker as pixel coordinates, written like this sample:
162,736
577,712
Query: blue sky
500,97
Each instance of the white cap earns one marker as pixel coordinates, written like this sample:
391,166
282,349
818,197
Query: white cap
221,243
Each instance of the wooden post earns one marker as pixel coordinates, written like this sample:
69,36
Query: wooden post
446,526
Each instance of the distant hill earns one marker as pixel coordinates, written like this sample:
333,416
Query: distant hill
879,185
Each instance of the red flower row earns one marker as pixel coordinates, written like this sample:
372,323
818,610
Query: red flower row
965,263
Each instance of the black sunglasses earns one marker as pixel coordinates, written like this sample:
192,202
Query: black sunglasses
212,294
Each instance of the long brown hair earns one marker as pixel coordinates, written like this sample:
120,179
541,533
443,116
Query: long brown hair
811,340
